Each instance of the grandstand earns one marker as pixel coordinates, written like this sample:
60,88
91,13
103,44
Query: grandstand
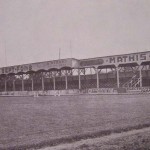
120,73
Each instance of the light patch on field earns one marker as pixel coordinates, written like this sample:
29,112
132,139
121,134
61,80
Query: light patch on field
101,142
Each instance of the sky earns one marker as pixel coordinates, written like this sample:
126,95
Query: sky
35,30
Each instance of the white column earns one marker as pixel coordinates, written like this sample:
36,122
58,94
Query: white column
22,83
13,85
66,79
43,83
118,82
5,85
32,83
97,74
54,83
79,79
140,72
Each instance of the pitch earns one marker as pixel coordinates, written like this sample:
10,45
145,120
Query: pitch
28,122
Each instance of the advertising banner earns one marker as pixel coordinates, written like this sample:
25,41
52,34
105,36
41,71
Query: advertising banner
55,64
102,91
116,60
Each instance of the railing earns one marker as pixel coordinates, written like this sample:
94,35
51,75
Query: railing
133,82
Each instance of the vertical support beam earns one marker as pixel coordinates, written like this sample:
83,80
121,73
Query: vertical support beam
118,81
32,83
97,74
79,79
5,85
14,85
140,73
43,82
54,82
66,79
22,83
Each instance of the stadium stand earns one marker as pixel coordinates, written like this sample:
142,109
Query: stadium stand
127,71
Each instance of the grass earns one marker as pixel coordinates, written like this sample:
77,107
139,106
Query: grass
27,122
138,141
131,140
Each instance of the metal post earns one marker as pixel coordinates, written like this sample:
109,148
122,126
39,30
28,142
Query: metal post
66,82
32,84
42,82
5,85
66,79
13,85
140,72
22,83
118,82
54,82
97,73
79,79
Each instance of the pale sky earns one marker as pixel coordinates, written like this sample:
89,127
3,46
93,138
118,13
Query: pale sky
34,30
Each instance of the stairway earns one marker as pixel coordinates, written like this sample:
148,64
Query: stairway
133,82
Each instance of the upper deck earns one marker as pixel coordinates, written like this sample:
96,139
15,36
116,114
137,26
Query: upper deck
115,61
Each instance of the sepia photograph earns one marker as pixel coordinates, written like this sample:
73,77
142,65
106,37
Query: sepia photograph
74,74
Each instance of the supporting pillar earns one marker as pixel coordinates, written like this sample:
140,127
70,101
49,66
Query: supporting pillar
66,79
5,85
32,83
79,79
118,81
140,73
13,85
43,83
54,83
22,83
97,74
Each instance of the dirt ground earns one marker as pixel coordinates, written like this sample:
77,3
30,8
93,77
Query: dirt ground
131,140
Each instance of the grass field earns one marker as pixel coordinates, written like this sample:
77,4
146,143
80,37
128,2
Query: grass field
28,121
131,140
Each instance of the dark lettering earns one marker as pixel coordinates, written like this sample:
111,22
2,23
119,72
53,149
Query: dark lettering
92,62
21,68
18,67
124,58
112,59
142,56
12,69
3,70
131,58
137,57
9,69
30,67
119,59
6,70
